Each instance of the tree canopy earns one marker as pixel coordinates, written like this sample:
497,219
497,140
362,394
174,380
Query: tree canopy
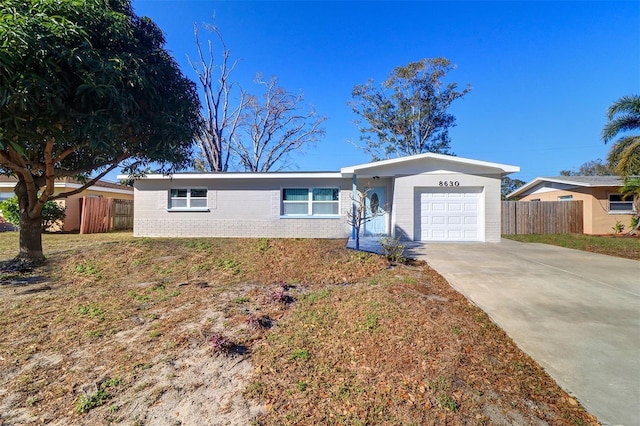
623,117
86,85
407,114
509,185
595,167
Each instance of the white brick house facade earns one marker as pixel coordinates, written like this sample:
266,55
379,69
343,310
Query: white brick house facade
424,197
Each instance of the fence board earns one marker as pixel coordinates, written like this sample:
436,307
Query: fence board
105,214
542,217
122,215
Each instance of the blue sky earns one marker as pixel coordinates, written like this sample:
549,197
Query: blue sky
543,73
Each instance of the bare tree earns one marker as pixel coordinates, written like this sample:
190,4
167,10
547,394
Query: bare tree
361,213
275,126
221,121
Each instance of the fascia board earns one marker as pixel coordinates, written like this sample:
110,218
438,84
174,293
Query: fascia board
370,167
227,175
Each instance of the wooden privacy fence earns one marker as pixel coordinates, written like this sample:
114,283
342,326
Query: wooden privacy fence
105,214
542,217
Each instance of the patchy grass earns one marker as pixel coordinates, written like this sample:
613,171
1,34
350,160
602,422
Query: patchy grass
57,242
386,354
359,341
619,246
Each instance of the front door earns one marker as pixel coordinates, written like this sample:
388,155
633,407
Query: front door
376,204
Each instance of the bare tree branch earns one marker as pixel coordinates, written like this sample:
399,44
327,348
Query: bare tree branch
275,127
221,121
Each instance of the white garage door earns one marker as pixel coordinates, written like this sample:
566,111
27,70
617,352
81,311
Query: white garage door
448,214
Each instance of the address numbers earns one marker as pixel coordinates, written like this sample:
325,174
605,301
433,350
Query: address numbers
448,183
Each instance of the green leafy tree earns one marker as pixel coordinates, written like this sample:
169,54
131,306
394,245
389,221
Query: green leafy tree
509,185
624,117
85,86
407,114
52,213
591,168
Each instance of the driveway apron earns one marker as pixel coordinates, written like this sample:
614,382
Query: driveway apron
576,313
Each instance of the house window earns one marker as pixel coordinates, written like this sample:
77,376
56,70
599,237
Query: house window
310,201
565,198
187,199
618,205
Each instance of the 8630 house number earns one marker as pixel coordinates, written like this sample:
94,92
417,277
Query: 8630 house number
448,183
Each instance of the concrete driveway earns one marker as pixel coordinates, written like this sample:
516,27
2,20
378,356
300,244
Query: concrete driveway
575,313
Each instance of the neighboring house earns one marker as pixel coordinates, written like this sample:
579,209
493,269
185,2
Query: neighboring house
602,204
429,197
72,204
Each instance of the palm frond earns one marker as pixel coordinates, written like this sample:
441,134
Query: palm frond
628,104
624,156
623,123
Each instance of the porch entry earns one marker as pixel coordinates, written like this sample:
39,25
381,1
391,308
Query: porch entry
376,205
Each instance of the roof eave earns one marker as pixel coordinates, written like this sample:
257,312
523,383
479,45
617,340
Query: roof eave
504,169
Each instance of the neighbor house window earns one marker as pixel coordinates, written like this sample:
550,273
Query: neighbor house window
618,205
310,201
187,198
565,198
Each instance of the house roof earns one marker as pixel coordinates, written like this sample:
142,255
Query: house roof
240,175
575,181
379,168
371,167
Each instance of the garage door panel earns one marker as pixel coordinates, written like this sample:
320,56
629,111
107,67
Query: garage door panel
454,235
438,220
450,215
438,206
438,234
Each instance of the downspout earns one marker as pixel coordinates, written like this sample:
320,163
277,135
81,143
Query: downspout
354,197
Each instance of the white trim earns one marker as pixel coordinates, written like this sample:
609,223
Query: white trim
504,168
238,175
189,209
345,172
567,183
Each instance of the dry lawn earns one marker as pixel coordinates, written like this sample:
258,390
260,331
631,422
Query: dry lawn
205,331
625,246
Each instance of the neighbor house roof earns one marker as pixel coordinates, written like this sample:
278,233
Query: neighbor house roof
70,183
570,181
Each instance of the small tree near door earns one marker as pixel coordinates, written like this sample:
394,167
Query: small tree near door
357,217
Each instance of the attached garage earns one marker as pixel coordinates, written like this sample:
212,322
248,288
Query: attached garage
439,198
449,214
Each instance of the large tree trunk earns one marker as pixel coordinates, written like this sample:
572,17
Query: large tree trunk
30,239
30,224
